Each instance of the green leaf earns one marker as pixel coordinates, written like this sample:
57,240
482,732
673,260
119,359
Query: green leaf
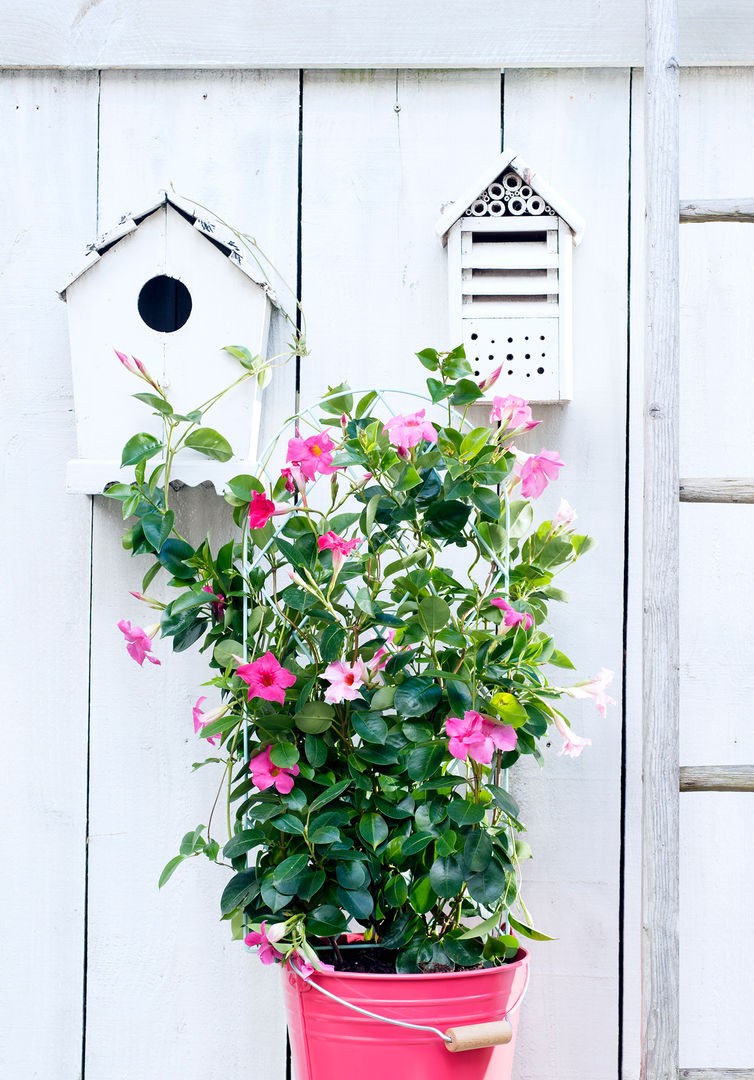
352,875
364,601
244,486
459,696
289,823
408,479
314,717
487,501
416,843
462,953
434,613
365,404
284,755
559,659
528,931
329,794
370,726
238,891
139,448
445,520
429,359
504,800
325,834
243,841
509,709
395,892
446,876
422,896
473,442
465,392
331,644
462,812
169,870
477,851
416,696
119,491
326,921
287,873
357,902
158,403
211,443
173,554
225,650
488,885
424,761
373,829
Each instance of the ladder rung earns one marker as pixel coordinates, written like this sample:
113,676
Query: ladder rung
716,1074
723,489
717,778
700,210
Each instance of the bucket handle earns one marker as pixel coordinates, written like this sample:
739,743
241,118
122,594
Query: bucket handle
466,1037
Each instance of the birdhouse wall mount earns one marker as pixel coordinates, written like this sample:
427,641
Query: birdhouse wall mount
510,239
172,289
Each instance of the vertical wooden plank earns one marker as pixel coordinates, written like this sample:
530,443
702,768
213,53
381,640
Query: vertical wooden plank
382,152
164,976
660,807
572,807
49,123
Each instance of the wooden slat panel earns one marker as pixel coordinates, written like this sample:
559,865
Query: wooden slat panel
509,257
719,490
509,285
701,210
660,652
47,117
510,224
360,33
717,778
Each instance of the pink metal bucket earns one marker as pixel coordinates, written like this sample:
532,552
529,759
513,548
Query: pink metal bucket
331,1042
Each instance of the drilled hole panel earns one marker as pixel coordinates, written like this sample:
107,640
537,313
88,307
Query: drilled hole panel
527,350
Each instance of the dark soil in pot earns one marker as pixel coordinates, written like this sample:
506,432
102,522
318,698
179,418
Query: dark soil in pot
364,959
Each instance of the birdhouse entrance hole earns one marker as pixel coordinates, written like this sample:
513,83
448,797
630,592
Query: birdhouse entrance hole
165,304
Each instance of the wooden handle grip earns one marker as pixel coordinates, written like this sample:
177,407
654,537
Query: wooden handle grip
477,1036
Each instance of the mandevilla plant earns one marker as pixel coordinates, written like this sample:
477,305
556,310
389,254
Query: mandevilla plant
371,694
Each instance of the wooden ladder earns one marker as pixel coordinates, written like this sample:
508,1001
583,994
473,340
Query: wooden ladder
663,778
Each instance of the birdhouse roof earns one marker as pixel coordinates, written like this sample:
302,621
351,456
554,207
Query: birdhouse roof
224,239
509,161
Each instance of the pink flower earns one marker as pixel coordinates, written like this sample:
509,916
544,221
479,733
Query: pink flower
573,744
139,642
409,430
261,509
266,678
201,719
305,968
265,773
513,617
312,455
128,363
512,412
267,952
219,605
565,516
381,657
537,471
594,689
346,680
489,382
294,478
478,736
339,546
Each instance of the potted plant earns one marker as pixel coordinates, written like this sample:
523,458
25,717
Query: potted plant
379,662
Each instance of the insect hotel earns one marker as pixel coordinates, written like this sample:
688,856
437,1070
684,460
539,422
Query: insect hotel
171,289
510,240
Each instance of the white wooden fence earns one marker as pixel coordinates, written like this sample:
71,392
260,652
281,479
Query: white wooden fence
104,978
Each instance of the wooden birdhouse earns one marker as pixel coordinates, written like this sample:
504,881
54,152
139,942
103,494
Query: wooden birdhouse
173,290
510,240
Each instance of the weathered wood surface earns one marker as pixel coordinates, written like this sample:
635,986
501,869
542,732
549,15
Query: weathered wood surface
717,1074
701,210
161,963
359,34
49,124
724,489
660,808
717,778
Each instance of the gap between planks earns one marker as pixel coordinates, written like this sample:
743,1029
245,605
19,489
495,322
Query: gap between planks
717,778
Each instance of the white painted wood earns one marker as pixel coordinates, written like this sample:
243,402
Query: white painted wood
159,964
660,644
509,224
717,1074
355,34
705,210
573,806
717,778
49,131
723,490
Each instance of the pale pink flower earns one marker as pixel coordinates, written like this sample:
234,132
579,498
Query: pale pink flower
128,363
339,546
294,478
312,455
409,430
266,951
306,968
346,680
201,719
565,516
537,471
265,773
512,412
139,642
487,383
261,509
595,689
219,605
511,616
478,736
136,367
150,600
573,744
266,678
381,657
